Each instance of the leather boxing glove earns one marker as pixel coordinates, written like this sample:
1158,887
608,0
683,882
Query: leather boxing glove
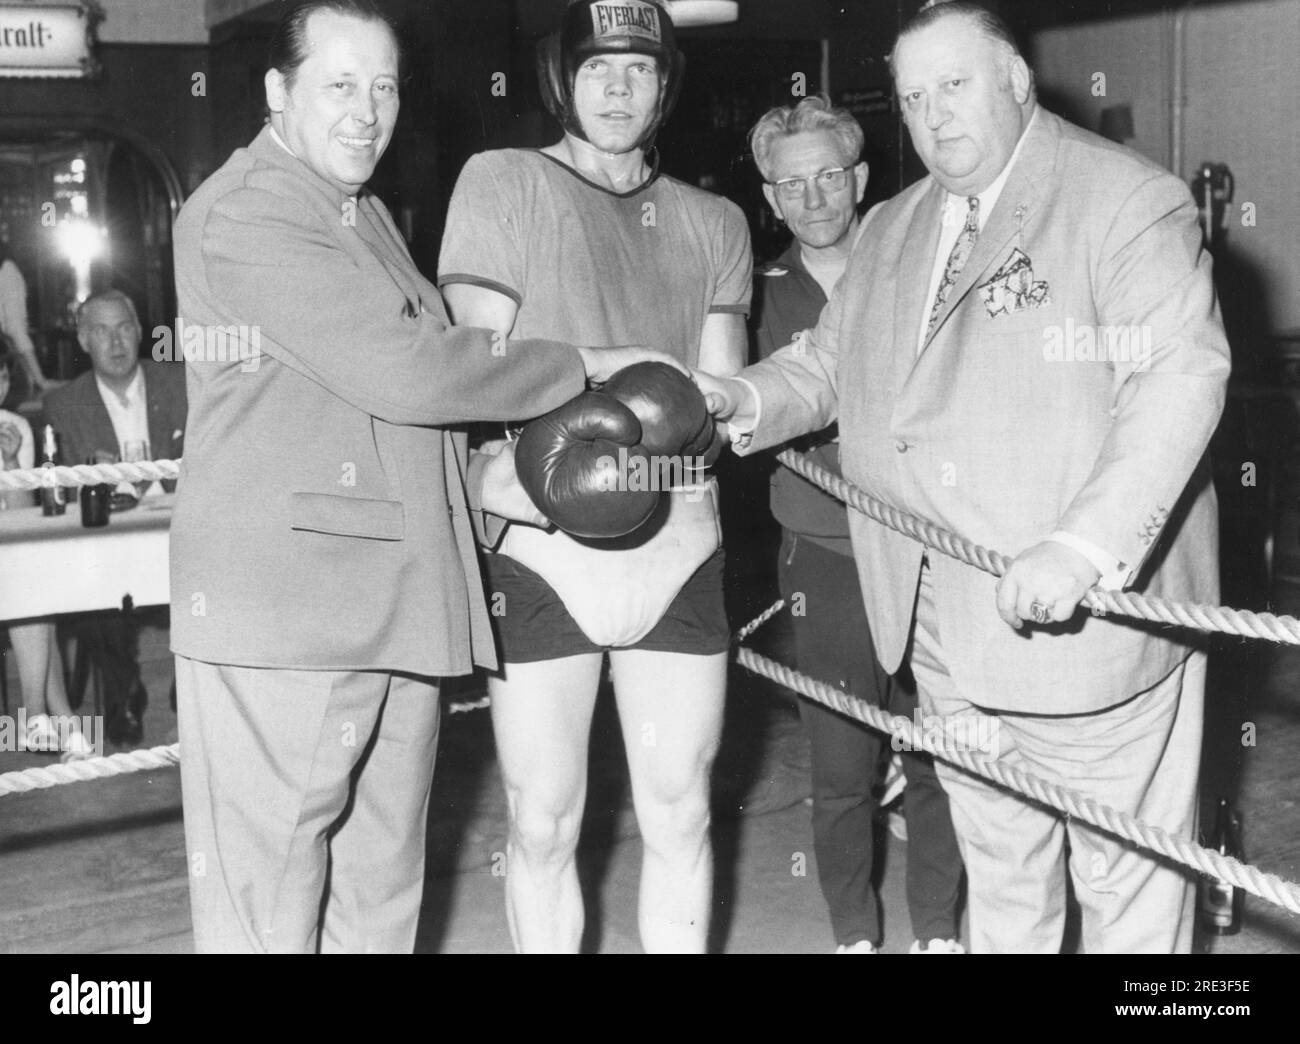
574,461
666,402
707,444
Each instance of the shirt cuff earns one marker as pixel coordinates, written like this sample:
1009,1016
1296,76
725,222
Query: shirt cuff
745,420
1114,573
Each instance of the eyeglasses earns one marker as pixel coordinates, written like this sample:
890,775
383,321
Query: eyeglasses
827,180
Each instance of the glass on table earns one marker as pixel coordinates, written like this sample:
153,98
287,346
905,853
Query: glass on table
133,452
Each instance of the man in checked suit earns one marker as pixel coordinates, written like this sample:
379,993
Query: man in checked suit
323,563
1025,348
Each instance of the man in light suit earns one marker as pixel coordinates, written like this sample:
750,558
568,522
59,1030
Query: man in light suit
123,399
1026,349
323,561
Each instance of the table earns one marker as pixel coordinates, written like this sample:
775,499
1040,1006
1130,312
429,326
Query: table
55,565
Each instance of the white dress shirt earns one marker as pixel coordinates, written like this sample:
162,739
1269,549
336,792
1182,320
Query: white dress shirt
129,414
955,209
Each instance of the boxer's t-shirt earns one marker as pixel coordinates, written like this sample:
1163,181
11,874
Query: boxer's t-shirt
591,266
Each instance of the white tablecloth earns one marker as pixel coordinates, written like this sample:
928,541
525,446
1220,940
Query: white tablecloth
50,566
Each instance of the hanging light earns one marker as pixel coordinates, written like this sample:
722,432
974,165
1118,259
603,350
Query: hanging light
688,13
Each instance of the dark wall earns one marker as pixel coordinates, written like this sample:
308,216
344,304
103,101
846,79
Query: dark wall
147,97
144,91
456,50
450,111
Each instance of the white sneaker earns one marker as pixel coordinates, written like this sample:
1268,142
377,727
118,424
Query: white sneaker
861,946
77,748
938,946
897,824
41,734
893,784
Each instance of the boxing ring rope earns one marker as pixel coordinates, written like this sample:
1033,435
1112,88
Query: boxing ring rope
1213,618
90,768
1275,889
88,474
1073,804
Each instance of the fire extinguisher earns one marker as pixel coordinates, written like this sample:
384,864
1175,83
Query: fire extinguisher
1212,187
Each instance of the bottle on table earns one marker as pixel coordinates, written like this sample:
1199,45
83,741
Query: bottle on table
1221,902
96,499
54,499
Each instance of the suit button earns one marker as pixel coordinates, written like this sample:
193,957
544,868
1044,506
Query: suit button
901,446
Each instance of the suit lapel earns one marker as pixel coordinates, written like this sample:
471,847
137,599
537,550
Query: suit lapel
386,244
102,434
160,439
914,267
369,235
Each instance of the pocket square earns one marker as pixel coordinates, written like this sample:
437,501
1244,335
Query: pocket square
1012,287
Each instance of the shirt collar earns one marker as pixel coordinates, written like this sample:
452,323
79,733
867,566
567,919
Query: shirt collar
133,391
792,257
989,197
275,136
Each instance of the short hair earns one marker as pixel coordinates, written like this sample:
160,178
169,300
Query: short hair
812,114
288,48
105,296
986,21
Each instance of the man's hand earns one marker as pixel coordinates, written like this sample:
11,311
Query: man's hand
1044,584
723,395
502,495
602,363
10,440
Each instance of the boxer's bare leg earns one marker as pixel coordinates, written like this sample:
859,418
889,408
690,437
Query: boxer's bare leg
670,706
541,713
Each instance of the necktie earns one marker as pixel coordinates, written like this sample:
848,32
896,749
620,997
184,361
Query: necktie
957,259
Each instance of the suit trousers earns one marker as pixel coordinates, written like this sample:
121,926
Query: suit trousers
1141,756
832,639
305,796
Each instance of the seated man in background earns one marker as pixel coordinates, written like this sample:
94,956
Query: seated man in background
808,155
125,407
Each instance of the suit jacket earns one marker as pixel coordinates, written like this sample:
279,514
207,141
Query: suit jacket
1000,434
322,518
79,415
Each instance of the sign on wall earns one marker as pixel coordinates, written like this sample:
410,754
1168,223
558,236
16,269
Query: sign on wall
48,39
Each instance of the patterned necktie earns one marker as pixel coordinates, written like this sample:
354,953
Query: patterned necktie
957,259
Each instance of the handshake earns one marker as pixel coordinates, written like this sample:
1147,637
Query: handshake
597,466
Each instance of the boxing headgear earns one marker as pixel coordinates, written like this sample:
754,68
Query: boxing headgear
604,27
